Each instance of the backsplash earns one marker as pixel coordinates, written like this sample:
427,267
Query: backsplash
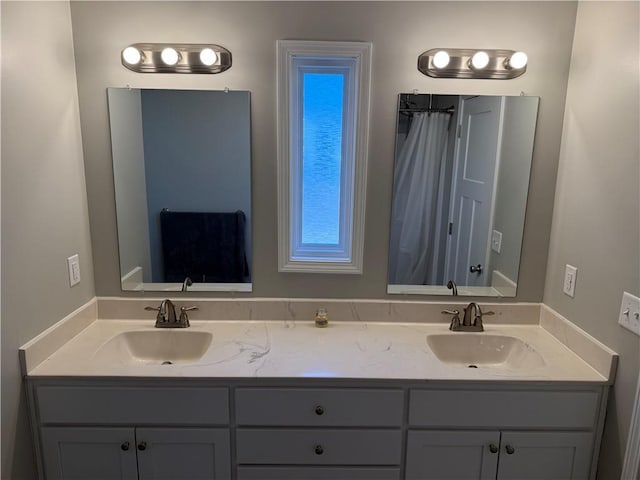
305,310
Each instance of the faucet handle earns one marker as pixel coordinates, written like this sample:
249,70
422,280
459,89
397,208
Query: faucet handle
184,318
455,320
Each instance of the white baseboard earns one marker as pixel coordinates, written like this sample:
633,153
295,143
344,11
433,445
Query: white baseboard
503,284
132,280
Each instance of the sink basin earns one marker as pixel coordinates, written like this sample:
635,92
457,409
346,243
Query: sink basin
484,350
156,347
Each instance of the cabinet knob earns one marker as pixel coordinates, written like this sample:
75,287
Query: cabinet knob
319,450
510,450
142,446
319,410
124,446
493,448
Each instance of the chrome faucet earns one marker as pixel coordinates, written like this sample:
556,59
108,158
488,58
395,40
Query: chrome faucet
471,321
451,285
166,317
187,283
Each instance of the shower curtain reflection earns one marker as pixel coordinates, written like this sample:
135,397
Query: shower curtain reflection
418,195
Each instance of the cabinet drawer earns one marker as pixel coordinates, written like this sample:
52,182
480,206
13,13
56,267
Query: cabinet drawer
319,407
318,447
316,473
503,408
133,406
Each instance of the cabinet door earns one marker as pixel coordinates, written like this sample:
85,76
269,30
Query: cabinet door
183,453
459,455
83,453
545,456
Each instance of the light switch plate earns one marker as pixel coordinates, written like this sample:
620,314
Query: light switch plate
569,285
629,316
73,263
496,241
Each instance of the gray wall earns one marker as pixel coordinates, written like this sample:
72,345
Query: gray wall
513,182
197,157
44,205
597,208
399,31
127,147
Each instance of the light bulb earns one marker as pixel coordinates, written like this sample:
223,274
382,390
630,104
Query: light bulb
479,60
131,55
517,61
208,57
169,56
441,59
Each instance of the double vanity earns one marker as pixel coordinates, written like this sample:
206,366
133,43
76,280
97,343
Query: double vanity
281,399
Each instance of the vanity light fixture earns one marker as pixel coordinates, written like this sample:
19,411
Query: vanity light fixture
472,63
176,58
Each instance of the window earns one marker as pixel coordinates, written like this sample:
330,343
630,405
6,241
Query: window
323,107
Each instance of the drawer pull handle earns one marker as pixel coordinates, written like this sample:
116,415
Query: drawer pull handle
319,410
142,446
493,448
124,446
510,450
319,450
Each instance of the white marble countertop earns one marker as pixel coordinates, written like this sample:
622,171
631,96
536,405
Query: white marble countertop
296,349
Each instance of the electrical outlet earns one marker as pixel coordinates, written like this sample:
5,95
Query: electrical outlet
629,316
73,263
569,285
496,241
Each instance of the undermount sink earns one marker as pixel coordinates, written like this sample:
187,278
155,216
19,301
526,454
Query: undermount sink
484,350
156,347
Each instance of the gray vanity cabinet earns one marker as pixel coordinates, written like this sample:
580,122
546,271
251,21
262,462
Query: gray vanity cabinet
331,433
471,455
137,431
514,434
81,453
72,453
247,429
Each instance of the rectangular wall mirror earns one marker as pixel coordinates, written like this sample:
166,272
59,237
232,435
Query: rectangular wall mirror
461,179
182,176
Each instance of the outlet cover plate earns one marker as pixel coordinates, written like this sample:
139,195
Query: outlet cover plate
73,262
629,316
496,241
569,284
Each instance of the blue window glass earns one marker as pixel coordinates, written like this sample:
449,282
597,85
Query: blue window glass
321,157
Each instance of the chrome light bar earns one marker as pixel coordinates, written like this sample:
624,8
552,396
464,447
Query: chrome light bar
176,58
472,63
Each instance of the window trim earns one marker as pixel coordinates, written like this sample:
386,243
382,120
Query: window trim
289,176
